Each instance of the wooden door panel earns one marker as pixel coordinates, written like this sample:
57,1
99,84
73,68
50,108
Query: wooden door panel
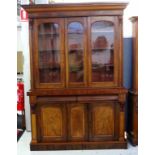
103,117
77,115
52,122
103,124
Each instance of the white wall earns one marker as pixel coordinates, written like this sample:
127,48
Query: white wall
23,44
26,70
19,41
131,10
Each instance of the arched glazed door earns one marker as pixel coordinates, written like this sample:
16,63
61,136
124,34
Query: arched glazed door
102,52
76,52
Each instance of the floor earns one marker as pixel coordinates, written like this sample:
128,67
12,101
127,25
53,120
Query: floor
23,149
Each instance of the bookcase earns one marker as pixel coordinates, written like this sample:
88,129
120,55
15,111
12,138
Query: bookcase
77,96
133,92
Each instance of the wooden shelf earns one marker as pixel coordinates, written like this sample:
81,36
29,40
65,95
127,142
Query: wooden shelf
75,50
48,34
76,68
49,50
79,33
101,49
98,66
110,65
102,32
50,68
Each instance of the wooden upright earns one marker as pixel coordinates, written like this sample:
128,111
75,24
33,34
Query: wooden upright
133,93
77,96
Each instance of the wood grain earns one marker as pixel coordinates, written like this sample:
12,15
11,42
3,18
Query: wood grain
77,122
70,114
102,116
52,121
133,92
34,129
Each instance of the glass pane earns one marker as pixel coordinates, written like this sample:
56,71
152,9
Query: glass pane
75,47
102,44
49,53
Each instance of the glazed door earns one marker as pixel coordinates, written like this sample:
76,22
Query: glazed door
51,122
77,122
76,45
103,51
49,53
104,118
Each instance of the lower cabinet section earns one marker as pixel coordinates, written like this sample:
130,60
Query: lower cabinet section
77,125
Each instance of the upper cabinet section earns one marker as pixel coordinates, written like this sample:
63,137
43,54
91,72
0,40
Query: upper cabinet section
76,45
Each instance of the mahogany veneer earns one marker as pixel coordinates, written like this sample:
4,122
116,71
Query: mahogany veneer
77,96
133,93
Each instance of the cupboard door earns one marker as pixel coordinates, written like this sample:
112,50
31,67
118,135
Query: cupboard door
77,118
49,53
104,121
52,121
76,52
103,51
